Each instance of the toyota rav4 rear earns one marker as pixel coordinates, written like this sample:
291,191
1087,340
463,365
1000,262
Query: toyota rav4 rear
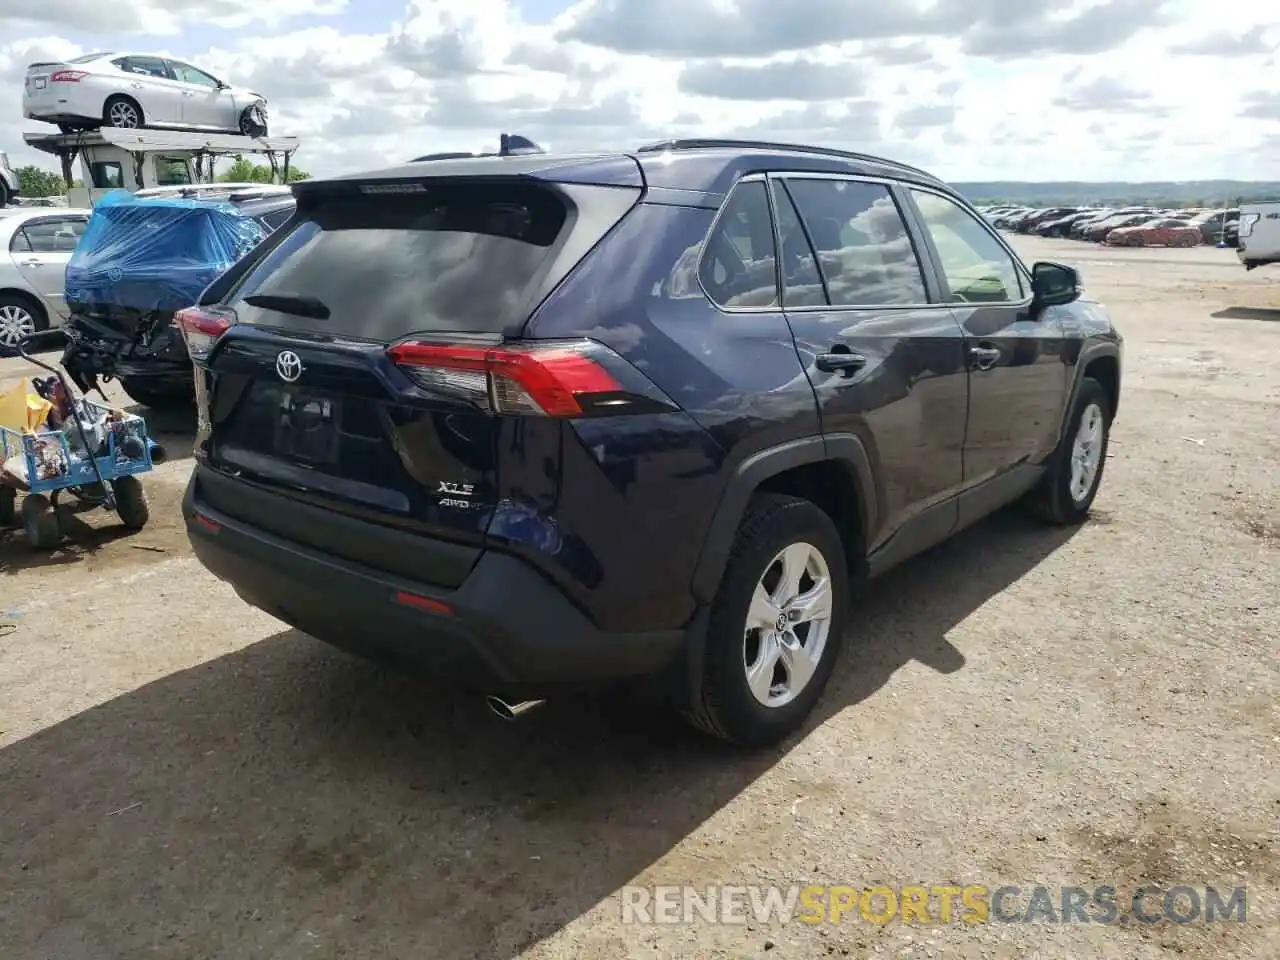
387,464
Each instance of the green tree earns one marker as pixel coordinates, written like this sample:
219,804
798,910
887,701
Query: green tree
246,171
38,182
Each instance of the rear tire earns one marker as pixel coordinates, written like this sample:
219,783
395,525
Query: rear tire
1067,492
790,667
158,397
40,522
132,506
123,113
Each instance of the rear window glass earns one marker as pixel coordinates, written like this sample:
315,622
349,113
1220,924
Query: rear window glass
460,259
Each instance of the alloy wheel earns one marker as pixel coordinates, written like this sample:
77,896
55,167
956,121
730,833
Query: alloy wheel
787,625
123,114
1086,452
16,322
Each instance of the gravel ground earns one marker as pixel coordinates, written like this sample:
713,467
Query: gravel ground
183,777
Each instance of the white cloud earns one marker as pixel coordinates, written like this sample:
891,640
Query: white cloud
986,89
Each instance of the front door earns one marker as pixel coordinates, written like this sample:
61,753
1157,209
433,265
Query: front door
1018,377
204,102
41,249
885,356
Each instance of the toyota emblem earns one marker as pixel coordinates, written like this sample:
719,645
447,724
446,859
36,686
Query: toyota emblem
289,366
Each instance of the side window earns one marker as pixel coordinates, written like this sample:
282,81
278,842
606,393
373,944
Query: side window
739,263
801,283
864,249
978,269
106,175
143,66
19,243
185,73
54,236
276,219
171,172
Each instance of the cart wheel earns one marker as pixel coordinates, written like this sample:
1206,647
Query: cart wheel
131,502
40,522
8,506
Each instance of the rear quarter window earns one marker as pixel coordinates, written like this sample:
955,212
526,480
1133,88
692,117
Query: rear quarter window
458,259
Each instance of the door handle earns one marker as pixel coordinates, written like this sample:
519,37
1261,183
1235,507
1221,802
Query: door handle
840,362
33,263
984,358
187,93
136,85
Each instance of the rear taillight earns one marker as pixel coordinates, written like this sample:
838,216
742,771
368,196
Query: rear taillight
68,76
202,326
542,379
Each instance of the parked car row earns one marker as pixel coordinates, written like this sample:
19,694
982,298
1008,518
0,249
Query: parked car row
1133,226
136,90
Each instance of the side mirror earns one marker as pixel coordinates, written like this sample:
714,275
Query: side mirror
1054,284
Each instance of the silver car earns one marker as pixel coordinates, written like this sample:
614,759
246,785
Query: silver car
35,246
135,90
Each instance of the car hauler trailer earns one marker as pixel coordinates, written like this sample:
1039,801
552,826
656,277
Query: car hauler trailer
131,159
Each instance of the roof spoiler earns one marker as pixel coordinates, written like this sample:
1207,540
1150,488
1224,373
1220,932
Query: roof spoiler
509,145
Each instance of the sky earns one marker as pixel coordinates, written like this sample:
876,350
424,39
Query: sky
970,89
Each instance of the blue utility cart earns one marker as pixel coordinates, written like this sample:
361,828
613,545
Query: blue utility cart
98,463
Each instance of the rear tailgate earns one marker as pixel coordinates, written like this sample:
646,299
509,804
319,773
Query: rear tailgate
312,396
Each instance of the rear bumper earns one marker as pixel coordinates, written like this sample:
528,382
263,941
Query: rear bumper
505,630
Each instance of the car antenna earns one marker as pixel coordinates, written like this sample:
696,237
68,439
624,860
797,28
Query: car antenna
513,145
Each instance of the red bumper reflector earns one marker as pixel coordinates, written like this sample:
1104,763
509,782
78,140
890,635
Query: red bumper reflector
425,604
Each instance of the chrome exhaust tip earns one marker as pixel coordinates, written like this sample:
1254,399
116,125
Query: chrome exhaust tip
512,711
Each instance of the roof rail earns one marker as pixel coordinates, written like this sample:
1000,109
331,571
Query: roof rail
710,143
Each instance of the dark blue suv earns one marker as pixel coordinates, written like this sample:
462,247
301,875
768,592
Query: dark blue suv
537,423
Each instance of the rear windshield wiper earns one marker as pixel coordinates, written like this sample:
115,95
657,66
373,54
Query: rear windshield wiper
298,306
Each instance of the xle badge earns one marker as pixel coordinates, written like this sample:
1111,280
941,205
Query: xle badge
453,492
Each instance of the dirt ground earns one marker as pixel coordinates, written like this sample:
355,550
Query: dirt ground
183,777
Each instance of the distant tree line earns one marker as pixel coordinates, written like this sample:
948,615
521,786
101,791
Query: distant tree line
244,171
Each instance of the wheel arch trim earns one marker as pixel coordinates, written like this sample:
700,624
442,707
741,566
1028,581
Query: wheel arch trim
845,449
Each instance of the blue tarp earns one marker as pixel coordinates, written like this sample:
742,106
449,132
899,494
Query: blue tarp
155,253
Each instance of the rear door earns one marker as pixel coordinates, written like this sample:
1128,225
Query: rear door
885,358
304,396
42,249
148,81
1018,378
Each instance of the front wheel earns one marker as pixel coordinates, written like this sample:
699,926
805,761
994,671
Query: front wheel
776,625
132,506
40,522
1067,492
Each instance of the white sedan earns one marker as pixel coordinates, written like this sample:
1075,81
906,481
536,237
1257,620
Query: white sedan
139,90
35,245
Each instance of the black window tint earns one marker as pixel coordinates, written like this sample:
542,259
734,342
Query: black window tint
863,247
459,259
801,284
978,269
106,175
739,265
